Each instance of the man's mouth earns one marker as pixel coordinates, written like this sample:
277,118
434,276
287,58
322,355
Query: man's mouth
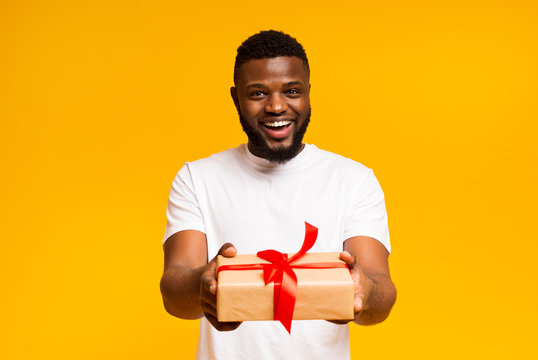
276,124
278,130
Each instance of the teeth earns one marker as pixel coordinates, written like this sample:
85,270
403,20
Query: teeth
277,123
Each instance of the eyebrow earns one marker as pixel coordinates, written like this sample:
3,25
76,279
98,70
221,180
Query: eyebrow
261,86
256,85
293,83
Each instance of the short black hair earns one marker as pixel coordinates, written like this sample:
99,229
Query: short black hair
268,44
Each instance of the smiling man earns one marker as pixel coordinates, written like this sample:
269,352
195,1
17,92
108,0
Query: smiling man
272,99
257,196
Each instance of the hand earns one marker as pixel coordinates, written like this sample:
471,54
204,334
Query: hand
208,290
363,285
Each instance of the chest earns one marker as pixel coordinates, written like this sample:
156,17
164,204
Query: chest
257,213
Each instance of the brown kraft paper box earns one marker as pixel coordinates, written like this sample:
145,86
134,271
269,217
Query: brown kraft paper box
325,294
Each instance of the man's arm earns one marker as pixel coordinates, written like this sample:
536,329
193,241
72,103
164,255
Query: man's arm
375,292
189,282
185,259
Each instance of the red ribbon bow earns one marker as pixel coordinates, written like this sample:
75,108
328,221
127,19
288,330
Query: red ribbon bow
280,271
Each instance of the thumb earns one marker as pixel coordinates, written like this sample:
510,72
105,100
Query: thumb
227,250
349,259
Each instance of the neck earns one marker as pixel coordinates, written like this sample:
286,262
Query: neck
278,156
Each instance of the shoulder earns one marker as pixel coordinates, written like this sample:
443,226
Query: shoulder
212,169
219,167
224,159
340,164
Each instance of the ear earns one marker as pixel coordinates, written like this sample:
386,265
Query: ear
233,93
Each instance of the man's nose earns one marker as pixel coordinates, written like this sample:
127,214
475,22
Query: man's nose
276,104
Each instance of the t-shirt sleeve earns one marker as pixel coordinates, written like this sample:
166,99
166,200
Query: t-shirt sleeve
368,215
183,211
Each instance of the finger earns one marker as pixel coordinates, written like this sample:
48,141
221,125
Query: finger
359,303
209,308
227,250
339,322
209,281
221,326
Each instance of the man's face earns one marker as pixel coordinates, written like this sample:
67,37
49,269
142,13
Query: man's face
272,97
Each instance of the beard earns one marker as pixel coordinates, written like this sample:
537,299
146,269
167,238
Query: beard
281,154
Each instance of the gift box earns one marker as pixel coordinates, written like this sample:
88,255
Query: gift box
324,288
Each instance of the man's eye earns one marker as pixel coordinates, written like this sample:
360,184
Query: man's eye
256,93
293,92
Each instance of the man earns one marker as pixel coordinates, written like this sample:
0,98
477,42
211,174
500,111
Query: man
257,196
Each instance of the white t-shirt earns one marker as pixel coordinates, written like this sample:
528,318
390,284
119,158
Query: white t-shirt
236,197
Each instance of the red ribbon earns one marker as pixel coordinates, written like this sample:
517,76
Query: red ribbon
280,271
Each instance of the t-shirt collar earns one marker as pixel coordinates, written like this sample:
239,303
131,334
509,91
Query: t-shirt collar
265,164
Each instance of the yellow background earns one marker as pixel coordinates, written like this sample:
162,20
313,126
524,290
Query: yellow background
101,102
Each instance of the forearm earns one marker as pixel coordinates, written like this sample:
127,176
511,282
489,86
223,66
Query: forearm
380,301
180,289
